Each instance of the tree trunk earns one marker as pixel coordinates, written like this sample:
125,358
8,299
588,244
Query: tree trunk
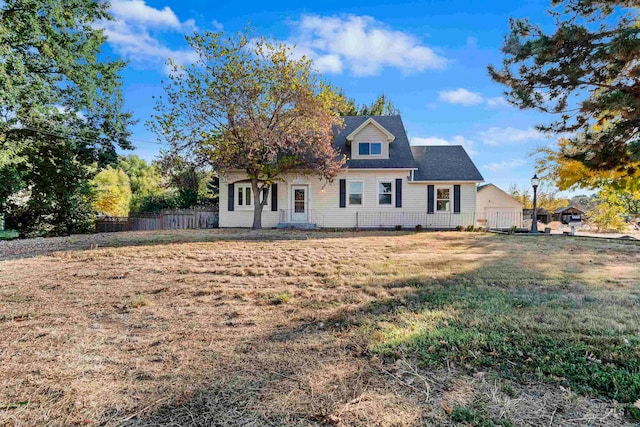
259,201
257,216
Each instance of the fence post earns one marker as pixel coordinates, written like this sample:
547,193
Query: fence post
161,219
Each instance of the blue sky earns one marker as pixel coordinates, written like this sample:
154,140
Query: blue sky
429,58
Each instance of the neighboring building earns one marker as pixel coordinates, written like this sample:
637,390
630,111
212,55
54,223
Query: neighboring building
385,183
543,215
568,214
497,208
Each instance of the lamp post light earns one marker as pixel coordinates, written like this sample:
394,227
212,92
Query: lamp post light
534,224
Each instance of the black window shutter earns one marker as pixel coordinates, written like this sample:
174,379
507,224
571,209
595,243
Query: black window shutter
343,193
456,199
430,197
230,197
398,192
274,197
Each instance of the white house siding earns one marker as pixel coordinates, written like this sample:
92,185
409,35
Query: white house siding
370,133
498,209
325,210
467,215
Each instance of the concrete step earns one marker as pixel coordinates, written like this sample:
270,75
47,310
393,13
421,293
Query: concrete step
297,225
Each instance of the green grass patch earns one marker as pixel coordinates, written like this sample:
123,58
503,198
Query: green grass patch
588,344
8,234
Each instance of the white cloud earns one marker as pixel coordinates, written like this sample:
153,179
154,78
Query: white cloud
360,44
510,164
217,25
467,98
456,140
134,33
497,102
497,137
137,11
329,64
461,96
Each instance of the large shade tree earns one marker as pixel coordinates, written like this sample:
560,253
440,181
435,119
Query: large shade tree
249,105
61,108
586,73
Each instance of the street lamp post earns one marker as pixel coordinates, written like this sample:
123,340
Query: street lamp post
534,224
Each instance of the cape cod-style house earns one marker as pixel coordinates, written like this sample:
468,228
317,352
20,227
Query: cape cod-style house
385,182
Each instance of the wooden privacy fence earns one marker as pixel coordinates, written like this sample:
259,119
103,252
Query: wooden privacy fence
112,224
167,219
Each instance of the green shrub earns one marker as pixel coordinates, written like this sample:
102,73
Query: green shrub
8,234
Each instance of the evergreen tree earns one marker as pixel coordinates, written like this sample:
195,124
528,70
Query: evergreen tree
586,74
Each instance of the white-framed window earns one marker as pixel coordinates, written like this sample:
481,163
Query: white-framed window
370,148
244,196
245,199
443,199
355,193
385,193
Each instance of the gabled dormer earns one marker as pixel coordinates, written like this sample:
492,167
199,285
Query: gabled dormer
370,141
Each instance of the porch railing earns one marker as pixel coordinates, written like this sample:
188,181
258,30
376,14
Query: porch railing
393,218
388,219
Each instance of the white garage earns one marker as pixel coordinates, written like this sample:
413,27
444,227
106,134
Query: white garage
498,209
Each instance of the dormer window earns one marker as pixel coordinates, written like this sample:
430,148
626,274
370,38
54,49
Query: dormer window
370,148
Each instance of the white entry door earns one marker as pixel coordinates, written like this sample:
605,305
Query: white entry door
300,201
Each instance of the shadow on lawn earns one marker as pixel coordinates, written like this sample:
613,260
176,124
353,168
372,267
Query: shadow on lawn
340,367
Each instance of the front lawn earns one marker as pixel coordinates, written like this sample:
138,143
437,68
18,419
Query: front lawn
228,327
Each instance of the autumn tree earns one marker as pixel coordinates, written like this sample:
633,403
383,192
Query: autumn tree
145,179
567,173
547,197
607,214
61,110
112,192
247,105
584,202
630,201
586,73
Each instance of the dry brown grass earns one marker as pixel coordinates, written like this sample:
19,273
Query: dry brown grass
183,327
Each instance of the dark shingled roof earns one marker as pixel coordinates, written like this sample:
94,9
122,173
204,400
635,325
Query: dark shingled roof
444,163
566,208
399,150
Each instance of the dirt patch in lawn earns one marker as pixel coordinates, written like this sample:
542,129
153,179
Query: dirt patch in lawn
279,328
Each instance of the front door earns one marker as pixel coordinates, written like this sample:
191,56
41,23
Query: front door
300,208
